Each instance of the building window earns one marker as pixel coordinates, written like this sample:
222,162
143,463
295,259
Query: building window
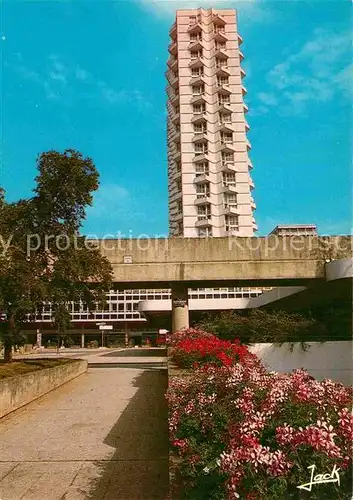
204,233
195,54
178,184
197,71
219,29
201,148
192,20
225,118
202,168
202,190
226,137
227,158
196,37
220,45
200,128
228,179
180,206
198,109
221,63
222,80
223,99
230,200
198,89
204,212
232,222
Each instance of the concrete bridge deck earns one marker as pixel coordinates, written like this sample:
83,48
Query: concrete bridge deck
270,261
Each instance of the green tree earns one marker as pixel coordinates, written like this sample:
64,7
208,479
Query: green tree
259,325
43,256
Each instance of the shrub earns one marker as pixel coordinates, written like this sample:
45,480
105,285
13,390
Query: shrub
187,334
202,351
244,432
257,325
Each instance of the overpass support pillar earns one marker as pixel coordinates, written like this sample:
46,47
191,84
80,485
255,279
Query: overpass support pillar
180,308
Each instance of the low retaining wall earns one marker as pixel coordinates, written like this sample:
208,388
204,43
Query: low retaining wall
322,360
22,389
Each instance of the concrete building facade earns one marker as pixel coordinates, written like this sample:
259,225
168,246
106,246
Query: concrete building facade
209,182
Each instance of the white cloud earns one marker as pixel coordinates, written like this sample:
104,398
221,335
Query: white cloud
268,99
314,73
116,207
109,201
344,80
58,77
82,74
57,81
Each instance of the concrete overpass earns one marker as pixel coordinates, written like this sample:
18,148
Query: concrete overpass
182,263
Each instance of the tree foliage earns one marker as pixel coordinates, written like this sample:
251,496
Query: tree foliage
42,255
258,325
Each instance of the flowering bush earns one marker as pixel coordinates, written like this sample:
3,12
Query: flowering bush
160,341
195,347
187,334
244,432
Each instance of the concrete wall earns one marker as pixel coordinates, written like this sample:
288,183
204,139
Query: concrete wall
328,360
241,261
21,390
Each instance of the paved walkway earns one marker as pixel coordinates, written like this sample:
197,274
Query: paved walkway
102,436
98,357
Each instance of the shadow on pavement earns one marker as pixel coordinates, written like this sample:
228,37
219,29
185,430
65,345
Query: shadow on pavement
136,353
139,468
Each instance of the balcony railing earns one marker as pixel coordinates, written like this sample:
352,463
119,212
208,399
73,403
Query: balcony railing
198,98
231,209
220,36
201,178
218,20
195,45
229,188
200,157
221,54
232,231
197,79
173,63
203,220
202,199
197,62
228,166
195,28
173,47
173,30
200,137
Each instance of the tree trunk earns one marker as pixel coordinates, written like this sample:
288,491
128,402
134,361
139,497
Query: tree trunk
9,340
8,350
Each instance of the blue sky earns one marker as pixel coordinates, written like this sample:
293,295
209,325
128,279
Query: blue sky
89,75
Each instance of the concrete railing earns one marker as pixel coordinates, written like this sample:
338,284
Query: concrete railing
22,389
242,261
